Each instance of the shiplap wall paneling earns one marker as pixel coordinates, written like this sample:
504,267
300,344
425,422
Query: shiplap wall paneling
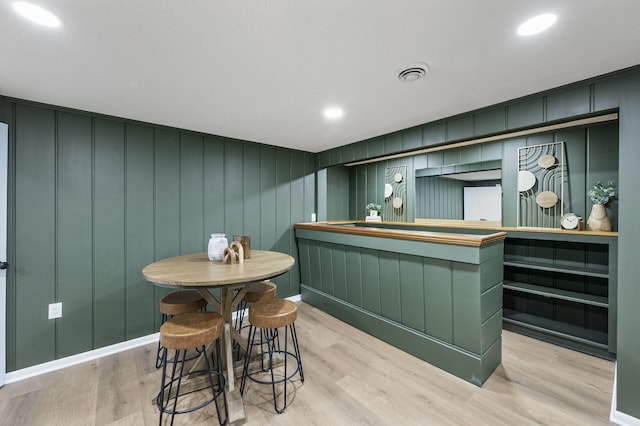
268,204
74,242
214,186
98,198
354,276
250,192
370,280
283,214
139,230
166,194
412,292
192,233
602,165
339,272
35,236
439,198
390,300
109,317
626,91
233,201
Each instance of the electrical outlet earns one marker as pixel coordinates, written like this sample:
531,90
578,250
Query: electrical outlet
55,310
313,217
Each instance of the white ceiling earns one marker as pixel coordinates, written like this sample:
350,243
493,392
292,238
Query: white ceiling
264,70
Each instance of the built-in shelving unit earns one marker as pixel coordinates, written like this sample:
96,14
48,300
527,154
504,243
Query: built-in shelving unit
571,296
586,271
562,288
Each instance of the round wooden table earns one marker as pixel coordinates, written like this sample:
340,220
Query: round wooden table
197,272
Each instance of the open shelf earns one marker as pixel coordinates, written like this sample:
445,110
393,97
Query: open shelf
588,272
562,289
563,330
556,293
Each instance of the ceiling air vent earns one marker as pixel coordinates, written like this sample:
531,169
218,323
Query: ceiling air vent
412,72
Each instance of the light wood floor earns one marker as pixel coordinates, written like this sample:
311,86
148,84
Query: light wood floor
350,378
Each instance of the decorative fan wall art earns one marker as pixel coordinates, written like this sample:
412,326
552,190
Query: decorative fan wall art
541,185
395,194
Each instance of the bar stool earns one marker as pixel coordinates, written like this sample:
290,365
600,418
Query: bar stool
268,316
255,292
183,332
178,303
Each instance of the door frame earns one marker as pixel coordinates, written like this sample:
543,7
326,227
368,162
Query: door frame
4,167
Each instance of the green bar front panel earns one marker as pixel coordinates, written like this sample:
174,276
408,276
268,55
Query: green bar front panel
439,302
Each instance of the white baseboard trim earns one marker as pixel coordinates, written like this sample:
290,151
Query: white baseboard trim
616,416
296,298
47,367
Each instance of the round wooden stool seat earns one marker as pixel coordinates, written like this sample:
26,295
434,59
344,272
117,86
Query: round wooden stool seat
273,313
276,340
259,291
191,330
181,302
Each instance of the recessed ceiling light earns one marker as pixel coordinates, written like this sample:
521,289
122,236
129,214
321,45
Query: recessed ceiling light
537,24
333,113
36,14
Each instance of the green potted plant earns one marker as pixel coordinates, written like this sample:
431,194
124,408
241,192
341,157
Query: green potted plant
600,195
374,209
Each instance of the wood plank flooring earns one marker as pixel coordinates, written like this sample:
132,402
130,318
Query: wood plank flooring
351,378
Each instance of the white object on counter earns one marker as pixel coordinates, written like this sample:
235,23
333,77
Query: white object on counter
217,244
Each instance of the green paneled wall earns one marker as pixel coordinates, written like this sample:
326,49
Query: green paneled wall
139,230
35,163
74,238
440,198
628,366
109,298
334,194
534,110
591,155
94,199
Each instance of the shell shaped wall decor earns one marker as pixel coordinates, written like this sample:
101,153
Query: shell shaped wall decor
526,180
541,185
395,194
547,161
546,199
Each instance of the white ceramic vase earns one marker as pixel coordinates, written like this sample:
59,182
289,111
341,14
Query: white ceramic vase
217,244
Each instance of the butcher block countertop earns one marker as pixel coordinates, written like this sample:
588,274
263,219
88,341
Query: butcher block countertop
348,227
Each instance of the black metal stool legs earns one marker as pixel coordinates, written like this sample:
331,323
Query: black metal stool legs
167,400
270,348
161,353
239,325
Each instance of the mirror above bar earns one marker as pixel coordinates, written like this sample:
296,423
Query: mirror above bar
469,192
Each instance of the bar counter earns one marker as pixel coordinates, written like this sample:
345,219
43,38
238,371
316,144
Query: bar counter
436,295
